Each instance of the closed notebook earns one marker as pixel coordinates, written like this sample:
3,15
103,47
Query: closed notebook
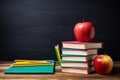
31,69
77,64
77,58
82,52
81,45
78,70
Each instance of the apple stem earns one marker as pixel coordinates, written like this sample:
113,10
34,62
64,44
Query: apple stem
83,20
106,51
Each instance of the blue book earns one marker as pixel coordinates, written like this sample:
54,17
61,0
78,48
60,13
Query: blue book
78,52
49,69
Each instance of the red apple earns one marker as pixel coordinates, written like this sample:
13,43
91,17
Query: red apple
84,31
103,64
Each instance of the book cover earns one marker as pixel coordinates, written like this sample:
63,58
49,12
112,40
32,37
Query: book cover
44,69
81,45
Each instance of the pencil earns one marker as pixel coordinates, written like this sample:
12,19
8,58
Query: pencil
31,64
30,61
57,51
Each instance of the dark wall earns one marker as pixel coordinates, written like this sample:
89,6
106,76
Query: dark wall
30,29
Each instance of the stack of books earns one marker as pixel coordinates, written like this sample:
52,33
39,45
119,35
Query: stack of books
21,66
78,57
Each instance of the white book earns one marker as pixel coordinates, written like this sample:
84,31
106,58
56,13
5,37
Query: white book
77,64
68,51
81,45
78,58
78,70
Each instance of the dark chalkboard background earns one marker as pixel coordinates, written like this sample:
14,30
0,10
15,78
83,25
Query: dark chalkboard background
29,29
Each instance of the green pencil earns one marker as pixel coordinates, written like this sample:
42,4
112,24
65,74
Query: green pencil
57,51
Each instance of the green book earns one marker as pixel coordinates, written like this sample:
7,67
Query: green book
49,69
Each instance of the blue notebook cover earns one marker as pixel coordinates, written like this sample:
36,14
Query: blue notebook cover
32,69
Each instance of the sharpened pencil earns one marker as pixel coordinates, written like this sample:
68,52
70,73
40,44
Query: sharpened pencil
57,51
30,61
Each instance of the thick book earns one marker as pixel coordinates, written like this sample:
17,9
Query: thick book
84,52
77,64
81,45
30,69
79,70
78,58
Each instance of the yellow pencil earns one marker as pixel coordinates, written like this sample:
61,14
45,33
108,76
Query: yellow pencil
57,51
32,64
30,61
22,62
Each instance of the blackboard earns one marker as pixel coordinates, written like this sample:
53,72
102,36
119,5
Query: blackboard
29,29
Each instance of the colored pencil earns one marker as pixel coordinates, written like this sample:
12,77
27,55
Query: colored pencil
57,51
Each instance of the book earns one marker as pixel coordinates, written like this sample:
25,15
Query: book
79,70
77,64
84,52
32,69
78,58
81,45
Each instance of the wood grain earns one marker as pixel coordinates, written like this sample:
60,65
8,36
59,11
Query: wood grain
115,74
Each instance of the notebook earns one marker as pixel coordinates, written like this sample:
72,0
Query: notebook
44,69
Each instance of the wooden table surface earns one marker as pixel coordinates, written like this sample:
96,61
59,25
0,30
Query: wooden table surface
115,74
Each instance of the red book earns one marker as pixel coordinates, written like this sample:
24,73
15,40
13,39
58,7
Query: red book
81,45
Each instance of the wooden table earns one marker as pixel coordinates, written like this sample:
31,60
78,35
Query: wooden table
115,74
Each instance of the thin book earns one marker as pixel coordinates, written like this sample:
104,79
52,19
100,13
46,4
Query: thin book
77,64
81,45
78,58
84,52
47,68
79,70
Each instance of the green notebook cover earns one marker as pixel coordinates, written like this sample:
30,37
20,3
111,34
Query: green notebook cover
31,69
